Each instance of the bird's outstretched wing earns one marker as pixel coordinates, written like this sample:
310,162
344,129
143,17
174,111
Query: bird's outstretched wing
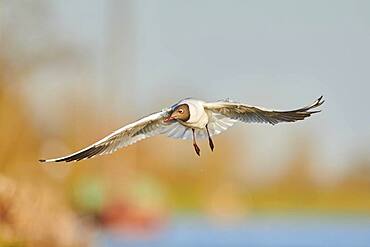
145,127
253,114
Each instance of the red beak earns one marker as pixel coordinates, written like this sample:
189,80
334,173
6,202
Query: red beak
168,119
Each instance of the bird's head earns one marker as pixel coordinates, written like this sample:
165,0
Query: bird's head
181,112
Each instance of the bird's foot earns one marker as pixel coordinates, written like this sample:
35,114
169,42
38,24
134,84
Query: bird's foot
196,148
211,144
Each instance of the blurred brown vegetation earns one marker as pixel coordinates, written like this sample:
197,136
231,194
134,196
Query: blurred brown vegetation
33,210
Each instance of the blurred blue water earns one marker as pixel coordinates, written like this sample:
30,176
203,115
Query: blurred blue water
255,232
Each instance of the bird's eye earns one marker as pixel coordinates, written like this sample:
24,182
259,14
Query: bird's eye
181,111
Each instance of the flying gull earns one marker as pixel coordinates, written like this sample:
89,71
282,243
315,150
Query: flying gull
189,119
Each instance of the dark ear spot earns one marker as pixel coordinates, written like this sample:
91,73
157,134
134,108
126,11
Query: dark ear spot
186,112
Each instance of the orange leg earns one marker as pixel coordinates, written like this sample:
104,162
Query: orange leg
197,149
210,139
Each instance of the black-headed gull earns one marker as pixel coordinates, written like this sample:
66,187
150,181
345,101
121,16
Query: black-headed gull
189,118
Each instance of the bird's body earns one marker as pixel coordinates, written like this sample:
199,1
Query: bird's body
189,119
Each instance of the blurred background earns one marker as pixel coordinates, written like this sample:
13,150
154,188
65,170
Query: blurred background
73,71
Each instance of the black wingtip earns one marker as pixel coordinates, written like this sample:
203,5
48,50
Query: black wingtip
42,161
319,101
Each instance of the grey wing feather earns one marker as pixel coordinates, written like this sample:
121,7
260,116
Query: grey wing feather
179,131
250,114
217,124
146,127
